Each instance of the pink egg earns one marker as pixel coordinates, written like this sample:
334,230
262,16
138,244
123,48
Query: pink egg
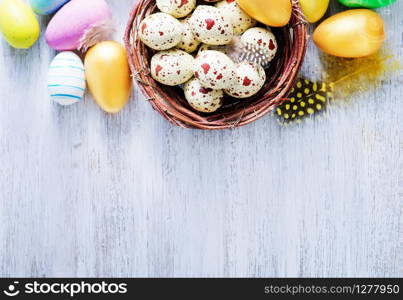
79,25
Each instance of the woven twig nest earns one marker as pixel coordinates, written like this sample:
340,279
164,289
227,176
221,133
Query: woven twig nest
170,102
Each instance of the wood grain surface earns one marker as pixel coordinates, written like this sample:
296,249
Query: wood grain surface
83,193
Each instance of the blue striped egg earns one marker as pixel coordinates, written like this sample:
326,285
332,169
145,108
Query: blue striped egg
66,78
47,7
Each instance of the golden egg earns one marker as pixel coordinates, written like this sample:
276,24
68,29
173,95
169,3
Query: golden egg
352,33
276,13
108,75
314,10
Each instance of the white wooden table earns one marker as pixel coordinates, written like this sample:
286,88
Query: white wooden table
87,194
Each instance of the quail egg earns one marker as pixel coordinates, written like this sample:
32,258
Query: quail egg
215,70
211,26
172,67
160,31
203,99
250,80
240,19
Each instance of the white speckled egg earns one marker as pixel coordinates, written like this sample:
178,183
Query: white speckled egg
160,31
261,37
250,80
203,99
66,78
211,26
172,67
240,19
176,8
215,70
188,43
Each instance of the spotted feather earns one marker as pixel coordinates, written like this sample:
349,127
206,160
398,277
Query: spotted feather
306,99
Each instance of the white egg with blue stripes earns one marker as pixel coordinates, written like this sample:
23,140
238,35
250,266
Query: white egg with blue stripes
66,78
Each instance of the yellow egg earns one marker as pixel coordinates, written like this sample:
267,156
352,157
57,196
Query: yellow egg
108,75
276,13
18,24
352,33
314,10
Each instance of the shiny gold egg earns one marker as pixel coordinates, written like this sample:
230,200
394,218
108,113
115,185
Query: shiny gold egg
108,75
314,10
352,33
276,13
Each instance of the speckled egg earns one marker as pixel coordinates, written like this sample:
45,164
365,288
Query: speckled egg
203,99
211,26
176,8
188,43
250,80
263,38
240,19
172,67
160,31
215,70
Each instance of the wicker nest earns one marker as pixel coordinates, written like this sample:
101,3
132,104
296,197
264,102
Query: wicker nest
170,101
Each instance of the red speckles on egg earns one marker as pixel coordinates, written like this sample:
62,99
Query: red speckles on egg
210,23
206,68
271,45
158,69
182,3
204,90
143,27
246,81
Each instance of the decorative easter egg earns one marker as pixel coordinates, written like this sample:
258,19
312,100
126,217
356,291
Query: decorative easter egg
172,67
240,19
18,24
176,8
66,78
108,75
79,25
160,31
263,39
215,70
314,10
189,43
250,80
46,7
367,3
276,13
352,33
211,26
203,99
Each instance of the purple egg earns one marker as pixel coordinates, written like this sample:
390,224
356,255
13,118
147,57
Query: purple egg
79,25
